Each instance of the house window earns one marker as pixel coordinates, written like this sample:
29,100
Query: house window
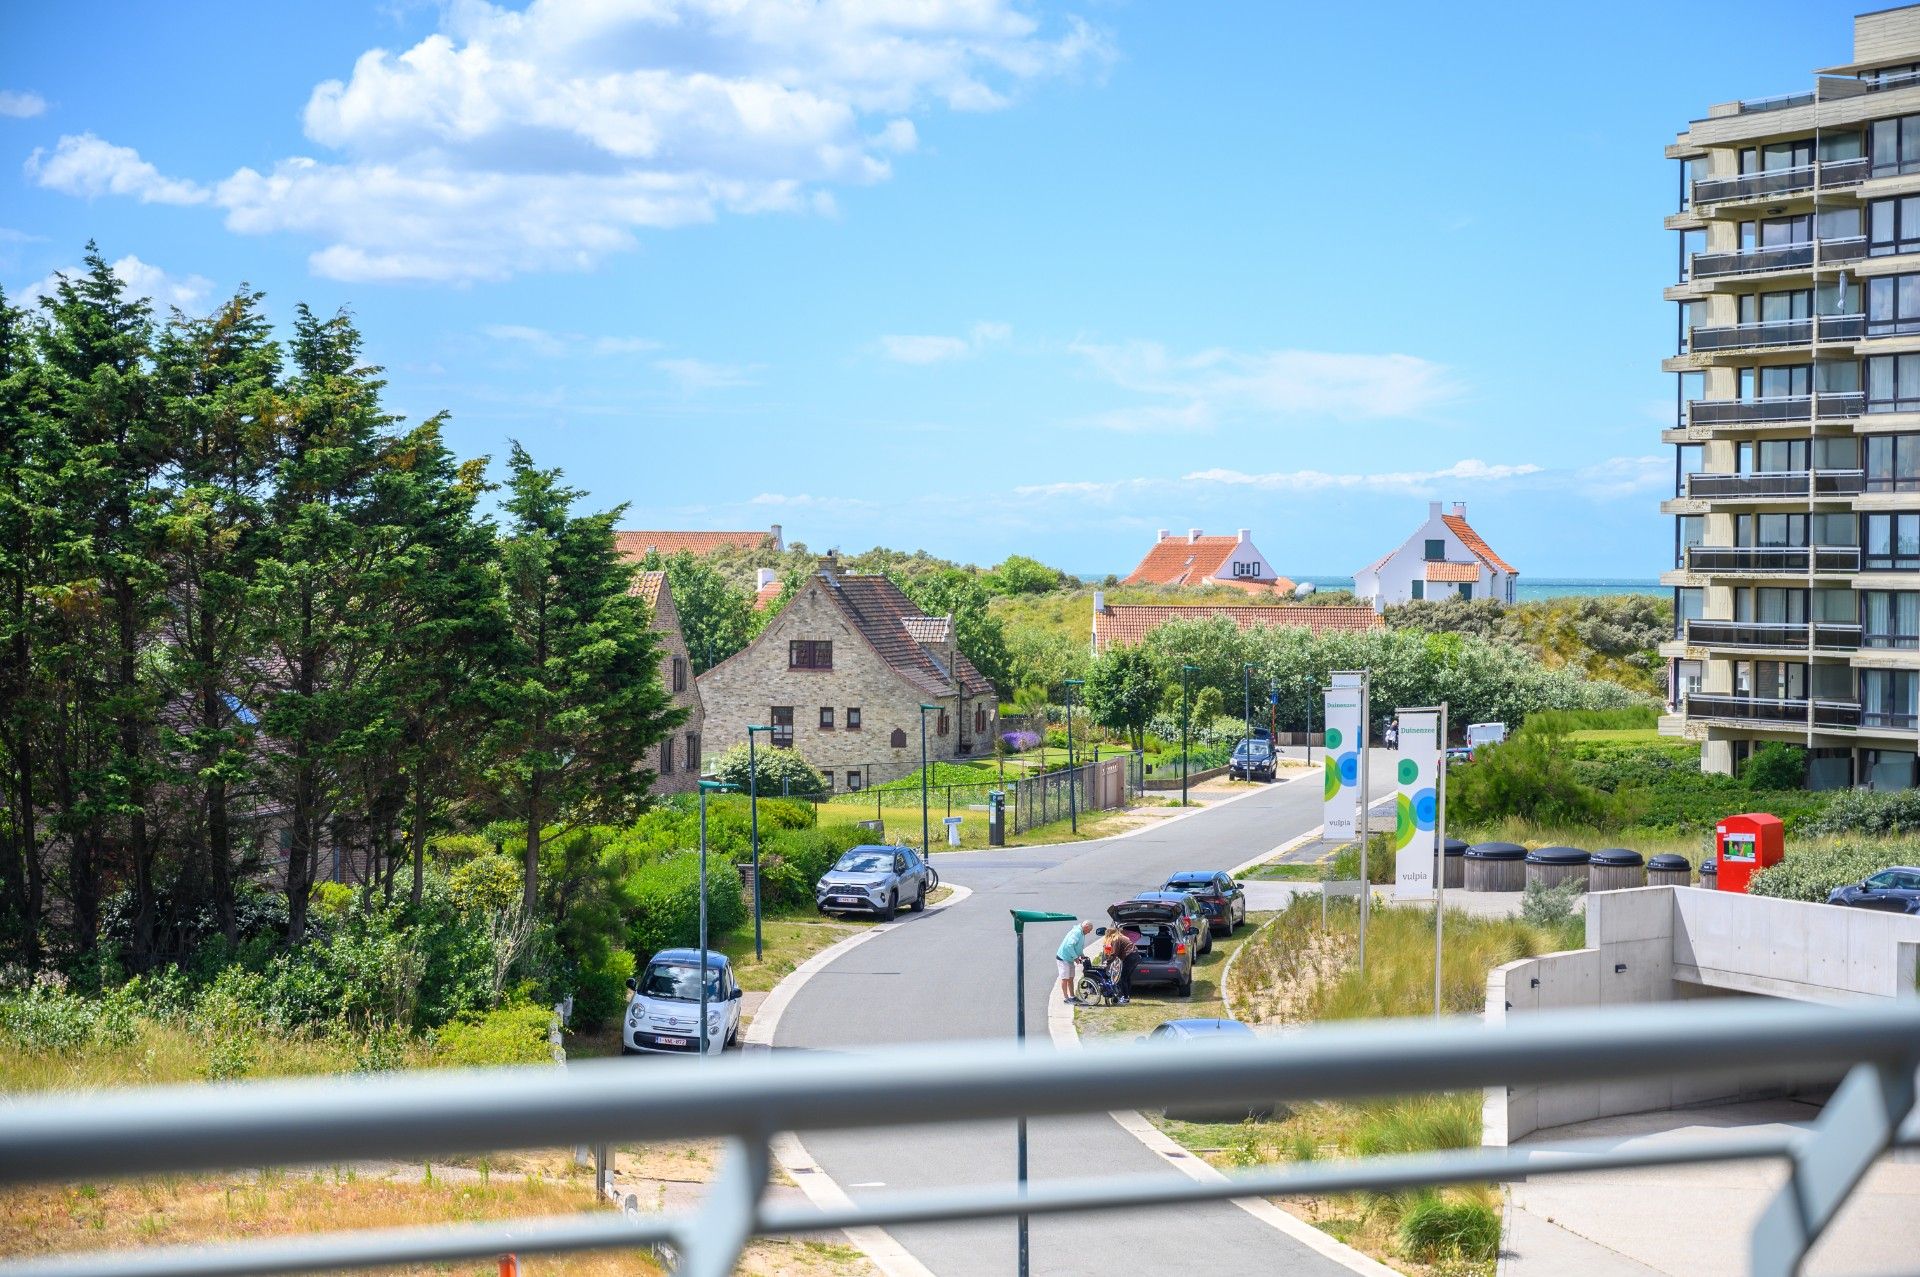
666,757
826,718
979,719
827,777
693,751
899,738
1890,618
1895,146
1436,549
679,673
1419,590
1893,226
1892,542
1893,383
1246,569
854,782
1893,305
1893,463
810,654
1466,589
944,725
853,718
782,720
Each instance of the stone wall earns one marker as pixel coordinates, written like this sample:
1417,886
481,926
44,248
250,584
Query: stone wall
684,773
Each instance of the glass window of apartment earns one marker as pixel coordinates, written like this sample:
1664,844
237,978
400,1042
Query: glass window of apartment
1770,529
1784,381
1687,676
1836,453
1834,607
1689,604
1773,308
1889,698
1894,145
1887,768
1837,298
1779,605
1893,383
1770,680
1837,377
1836,223
1893,305
1893,463
1893,226
1693,530
1890,619
1842,146
1771,456
1892,542
1833,529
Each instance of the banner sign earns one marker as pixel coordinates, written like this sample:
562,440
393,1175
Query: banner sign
1416,774
1345,739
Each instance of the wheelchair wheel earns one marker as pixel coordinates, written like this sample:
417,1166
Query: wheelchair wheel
1089,991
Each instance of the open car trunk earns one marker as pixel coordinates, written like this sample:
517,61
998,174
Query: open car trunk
1156,940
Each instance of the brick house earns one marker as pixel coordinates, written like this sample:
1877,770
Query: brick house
1124,624
678,761
840,675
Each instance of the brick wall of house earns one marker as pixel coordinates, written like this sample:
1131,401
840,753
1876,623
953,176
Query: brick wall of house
689,739
745,688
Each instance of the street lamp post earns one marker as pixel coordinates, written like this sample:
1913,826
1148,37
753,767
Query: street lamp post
1246,700
706,786
1073,777
1021,917
753,809
926,848
1186,736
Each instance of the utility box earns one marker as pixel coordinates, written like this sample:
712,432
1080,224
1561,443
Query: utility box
1743,846
996,818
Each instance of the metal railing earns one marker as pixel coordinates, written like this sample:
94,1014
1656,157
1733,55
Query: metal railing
1777,332
1032,800
1782,181
1773,559
747,1103
1772,408
1789,635
1777,483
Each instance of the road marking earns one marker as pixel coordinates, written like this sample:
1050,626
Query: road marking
869,1183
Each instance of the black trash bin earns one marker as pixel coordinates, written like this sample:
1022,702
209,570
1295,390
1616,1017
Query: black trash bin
1551,866
1616,869
1669,870
1709,874
1454,858
1495,866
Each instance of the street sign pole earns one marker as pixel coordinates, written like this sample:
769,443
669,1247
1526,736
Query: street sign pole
1021,917
1440,858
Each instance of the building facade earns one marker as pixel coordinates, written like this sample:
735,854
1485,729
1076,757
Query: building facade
1796,501
676,762
840,675
1443,559
1198,559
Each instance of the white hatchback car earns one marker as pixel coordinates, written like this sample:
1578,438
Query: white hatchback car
663,1015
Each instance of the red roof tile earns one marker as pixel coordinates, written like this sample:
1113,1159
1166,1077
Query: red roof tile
1472,540
1128,623
887,617
637,544
1175,560
1453,571
648,586
767,595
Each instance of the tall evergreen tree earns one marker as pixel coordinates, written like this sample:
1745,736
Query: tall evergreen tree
582,702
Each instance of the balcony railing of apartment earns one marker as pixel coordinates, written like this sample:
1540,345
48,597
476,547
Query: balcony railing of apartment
1792,711
1773,558
1778,102
1781,181
1775,257
1778,483
1775,634
1828,406
746,1105
1889,720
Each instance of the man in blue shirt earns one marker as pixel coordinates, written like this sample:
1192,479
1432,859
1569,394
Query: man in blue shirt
1068,953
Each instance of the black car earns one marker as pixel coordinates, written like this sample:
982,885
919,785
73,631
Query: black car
1220,897
1895,890
1164,924
1252,760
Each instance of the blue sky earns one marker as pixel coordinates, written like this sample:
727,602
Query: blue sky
975,276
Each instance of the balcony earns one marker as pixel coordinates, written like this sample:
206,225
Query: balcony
1795,711
1772,257
1786,635
1772,408
1782,181
1887,720
1775,333
1772,560
1777,483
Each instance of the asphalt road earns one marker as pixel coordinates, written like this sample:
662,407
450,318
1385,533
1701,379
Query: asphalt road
949,977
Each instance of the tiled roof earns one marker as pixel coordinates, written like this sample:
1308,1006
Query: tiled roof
1471,539
1128,623
1175,560
1453,571
880,611
648,586
638,544
767,594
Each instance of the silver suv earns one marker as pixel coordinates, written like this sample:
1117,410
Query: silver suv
876,880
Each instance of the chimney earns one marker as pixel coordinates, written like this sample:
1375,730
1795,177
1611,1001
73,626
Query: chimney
765,577
1193,534
1100,600
779,540
1433,509
829,563
1164,534
1459,509
1246,535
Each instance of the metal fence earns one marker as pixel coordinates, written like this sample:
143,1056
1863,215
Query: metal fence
1032,800
747,1102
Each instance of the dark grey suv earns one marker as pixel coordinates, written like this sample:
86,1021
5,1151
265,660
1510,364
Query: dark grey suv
876,880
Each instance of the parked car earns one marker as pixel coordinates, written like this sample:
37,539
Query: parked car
1159,922
876,880
1479,734
663,1015
1220,897
1198,1030
1895,890
1252,760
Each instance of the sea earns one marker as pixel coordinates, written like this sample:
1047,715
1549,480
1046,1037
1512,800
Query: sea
1543,588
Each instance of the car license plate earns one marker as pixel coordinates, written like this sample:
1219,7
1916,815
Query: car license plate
846,900
664,1040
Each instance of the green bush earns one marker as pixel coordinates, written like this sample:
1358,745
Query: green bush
1866,811
1435,1226
802,856
1631,718
666,896
1551,908
1530,776
600,991
1810,873
781,771
46,1017
1776,765
514,1034
1345,864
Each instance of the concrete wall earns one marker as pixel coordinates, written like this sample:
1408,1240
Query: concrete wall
1668,944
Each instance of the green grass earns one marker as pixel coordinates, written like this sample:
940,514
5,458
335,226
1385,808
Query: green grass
1152,1006
902,822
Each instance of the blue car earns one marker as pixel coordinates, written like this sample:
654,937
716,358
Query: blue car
1198,1030
1895,890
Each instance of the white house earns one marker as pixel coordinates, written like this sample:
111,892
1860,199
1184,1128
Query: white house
1444,558
1198,559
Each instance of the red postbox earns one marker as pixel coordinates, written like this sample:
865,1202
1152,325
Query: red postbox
1743,846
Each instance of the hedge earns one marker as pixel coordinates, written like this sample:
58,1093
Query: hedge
1810,873
1868,811
667,894
510,1035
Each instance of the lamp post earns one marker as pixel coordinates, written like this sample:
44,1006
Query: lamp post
706,786
1073,777
1246,698
1186,738
1021,917
753,809
926,848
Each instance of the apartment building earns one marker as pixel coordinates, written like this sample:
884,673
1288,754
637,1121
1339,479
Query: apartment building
1796,441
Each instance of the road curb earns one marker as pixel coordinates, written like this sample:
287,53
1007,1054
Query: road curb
1066,1036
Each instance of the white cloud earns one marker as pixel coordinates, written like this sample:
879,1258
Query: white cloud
21,104
698,374
546,138
142,279
552,345
1212,384
1620,477
1467,471
928,349
84,165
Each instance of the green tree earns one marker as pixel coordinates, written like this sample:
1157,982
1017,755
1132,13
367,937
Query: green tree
781,771
1018,574
976,631
716,617
1123,689
582,703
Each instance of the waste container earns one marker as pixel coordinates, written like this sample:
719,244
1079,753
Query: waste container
953,829
1454,854
996,818
1709,871
1551,866
1494,866
1669,870
1743,845
1615,869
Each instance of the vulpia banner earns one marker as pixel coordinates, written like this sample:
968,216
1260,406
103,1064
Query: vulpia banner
1346,738
1416,774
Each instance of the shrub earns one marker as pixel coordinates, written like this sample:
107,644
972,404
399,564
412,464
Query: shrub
1345,864
514,1034
1866,811
488,883
1421,1124
1551,907
1810,873
1776,765
46,1017
1435,1226
811,852
666,895
600,991
781,771
1530,776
